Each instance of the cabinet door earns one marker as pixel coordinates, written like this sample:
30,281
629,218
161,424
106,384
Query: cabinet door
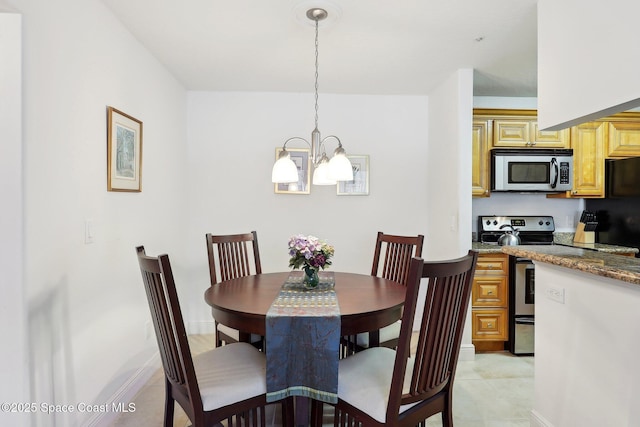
624,139
489,291
512,133
492,264
489,325
588,140
549,138
480,178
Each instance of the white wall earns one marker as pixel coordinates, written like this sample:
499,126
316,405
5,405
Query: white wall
232,142
587,371
449,177
449,167
87,310
13,366
588,60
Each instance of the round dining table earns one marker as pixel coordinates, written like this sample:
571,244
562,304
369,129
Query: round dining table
367,303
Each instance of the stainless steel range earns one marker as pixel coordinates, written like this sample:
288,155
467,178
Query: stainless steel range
532,230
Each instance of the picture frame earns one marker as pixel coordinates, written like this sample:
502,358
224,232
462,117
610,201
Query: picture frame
302,158
124,152
360,184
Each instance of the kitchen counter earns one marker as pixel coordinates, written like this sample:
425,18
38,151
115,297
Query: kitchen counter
597,262
586,336
563,239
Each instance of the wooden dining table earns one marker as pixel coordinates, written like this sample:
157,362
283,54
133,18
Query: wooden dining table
367,303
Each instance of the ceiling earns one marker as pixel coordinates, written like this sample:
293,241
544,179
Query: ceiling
376,47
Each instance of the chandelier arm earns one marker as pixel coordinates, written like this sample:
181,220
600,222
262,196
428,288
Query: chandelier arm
331,136
284,146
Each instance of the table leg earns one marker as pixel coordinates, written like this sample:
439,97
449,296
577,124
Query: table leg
302,411
374,338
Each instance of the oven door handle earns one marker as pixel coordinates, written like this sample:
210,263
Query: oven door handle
525,320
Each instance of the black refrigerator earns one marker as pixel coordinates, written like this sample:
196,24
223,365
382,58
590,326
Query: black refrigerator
619,213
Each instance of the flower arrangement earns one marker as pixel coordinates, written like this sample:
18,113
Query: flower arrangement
309,252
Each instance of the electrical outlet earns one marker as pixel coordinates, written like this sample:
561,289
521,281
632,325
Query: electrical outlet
556,294
569,221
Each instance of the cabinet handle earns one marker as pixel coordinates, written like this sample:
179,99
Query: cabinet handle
490,293
489,325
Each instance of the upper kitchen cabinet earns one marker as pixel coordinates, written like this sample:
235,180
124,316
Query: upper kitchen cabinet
519,129
624,135
480,178
588,142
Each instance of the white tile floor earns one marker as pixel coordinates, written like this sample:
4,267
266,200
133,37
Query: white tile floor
494,390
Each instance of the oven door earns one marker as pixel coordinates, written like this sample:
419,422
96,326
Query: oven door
524,287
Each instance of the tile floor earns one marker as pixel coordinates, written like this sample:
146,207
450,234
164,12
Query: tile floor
494,390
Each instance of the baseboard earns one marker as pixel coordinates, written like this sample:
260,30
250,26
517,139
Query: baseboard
537,420
467,353
120,400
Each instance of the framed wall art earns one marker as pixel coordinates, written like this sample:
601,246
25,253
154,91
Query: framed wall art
302,158
124,152
360,184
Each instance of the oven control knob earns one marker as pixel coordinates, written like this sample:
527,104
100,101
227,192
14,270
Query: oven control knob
540,222
548,222
488,222
495,222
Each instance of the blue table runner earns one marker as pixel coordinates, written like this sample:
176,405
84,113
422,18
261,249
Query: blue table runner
303,340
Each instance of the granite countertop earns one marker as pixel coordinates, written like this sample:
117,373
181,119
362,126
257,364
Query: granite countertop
563,239
596,262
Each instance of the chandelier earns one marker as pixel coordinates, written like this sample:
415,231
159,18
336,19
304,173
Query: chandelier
326,172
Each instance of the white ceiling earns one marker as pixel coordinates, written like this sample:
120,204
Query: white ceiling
366,46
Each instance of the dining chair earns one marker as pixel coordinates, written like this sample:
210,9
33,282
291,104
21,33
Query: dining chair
232,256
220,384
382,387
391,260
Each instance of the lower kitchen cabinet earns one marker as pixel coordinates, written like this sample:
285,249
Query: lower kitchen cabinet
490,302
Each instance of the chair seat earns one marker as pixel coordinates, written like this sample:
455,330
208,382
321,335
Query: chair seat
230,374
387,333
233,333
364,380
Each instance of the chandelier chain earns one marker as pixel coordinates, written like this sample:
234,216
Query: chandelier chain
316,76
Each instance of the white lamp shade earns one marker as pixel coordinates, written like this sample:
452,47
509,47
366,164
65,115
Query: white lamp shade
321,175
284,170
340,168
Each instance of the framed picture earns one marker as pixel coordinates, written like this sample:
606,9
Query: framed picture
302,158
360,184
124,152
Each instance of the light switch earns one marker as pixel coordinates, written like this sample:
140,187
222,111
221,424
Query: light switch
89,236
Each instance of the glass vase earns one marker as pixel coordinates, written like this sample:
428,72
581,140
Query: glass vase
311,279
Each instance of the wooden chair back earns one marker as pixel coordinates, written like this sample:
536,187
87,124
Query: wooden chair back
181,382
440,336
393,255
232,256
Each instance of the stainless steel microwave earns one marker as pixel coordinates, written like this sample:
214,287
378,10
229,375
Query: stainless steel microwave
543,170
